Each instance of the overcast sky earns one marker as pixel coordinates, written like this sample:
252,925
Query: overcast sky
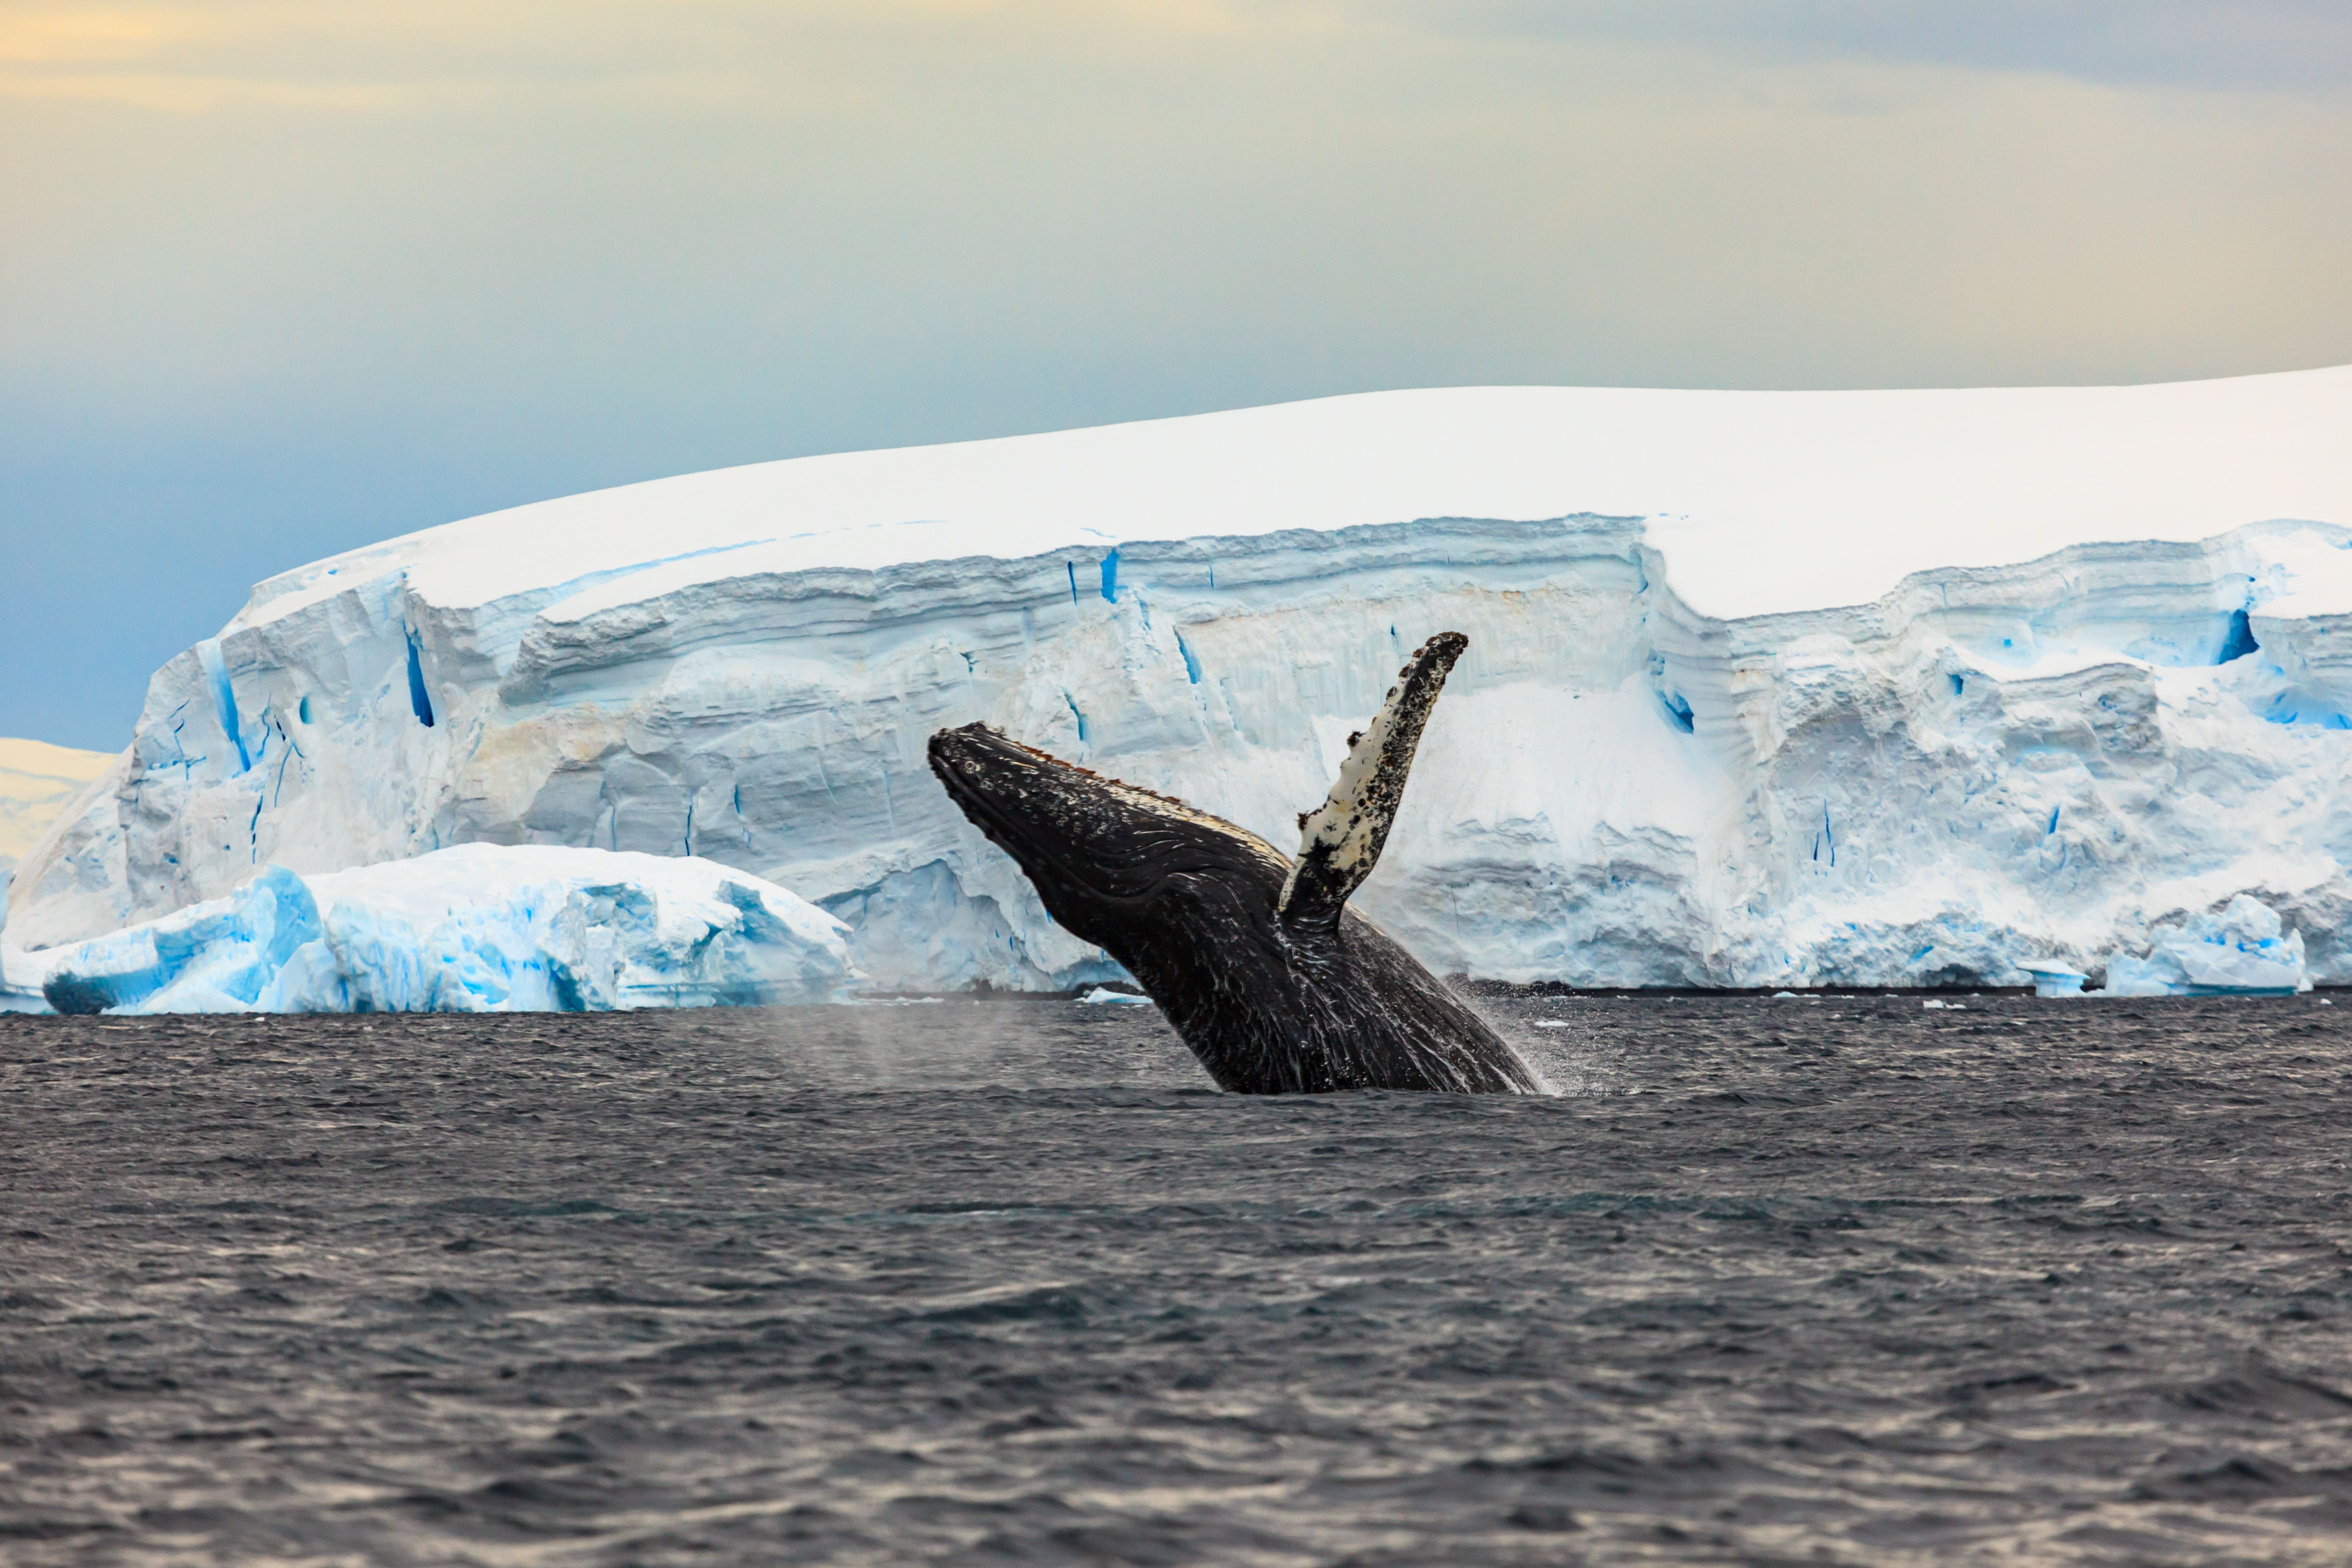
278,278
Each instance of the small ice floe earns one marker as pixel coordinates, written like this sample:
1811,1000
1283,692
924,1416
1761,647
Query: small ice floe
2054,979
1784,995
1551,1023
1101,993
1933,1005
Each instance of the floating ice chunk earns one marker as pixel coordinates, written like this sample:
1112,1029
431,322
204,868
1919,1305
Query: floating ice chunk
2129,976
1102,993
213,957
2244,950
2056,979
478,928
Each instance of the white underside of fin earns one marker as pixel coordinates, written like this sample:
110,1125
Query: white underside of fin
1341,842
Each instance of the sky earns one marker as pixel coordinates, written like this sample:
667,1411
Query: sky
279,278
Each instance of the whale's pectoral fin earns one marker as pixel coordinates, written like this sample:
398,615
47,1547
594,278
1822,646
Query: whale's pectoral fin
1339,845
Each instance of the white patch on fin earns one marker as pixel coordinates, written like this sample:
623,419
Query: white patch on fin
1339,844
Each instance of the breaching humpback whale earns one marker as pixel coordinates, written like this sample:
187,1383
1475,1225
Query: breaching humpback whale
1274,983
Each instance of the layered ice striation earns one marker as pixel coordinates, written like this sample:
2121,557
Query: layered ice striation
1763,689
476,928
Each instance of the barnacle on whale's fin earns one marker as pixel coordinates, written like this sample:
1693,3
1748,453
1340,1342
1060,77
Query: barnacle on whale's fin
1340,843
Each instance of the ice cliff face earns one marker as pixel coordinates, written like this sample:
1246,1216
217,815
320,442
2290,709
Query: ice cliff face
1762,688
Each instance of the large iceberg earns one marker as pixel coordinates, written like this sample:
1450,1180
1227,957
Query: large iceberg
471,929
1763,690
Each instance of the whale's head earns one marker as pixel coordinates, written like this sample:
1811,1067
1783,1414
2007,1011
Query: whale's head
1114,864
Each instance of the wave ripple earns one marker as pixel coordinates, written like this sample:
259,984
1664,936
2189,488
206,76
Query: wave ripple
1836,1281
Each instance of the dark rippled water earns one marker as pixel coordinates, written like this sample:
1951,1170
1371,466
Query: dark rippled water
1845,1281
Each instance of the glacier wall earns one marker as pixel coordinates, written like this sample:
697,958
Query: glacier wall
2058,759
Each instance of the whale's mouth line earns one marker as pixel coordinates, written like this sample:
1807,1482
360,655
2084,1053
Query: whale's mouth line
1002,828
1018,837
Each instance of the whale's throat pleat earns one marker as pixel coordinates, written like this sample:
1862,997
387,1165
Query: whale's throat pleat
1341,842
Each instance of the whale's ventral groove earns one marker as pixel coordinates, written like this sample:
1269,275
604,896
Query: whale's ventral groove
1255,959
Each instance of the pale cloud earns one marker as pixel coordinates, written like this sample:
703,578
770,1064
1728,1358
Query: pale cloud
799,57
1395,202
208,54
371,54
78,37
1632,178
2258,44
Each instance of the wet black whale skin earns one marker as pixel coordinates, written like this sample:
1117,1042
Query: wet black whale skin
1187,902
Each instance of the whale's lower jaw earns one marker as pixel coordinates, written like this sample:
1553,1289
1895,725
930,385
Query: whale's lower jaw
1349,1009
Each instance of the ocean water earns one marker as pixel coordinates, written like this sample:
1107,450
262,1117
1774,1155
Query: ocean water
1847,1280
